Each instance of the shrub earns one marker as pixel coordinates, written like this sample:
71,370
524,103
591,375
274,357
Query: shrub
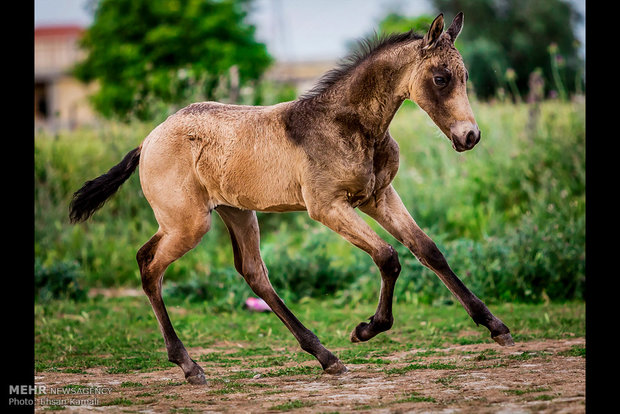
61,280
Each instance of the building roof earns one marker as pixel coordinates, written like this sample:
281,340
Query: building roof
56,50
67,30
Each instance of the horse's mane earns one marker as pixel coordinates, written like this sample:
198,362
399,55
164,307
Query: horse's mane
363,49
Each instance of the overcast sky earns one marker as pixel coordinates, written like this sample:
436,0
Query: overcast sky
292,29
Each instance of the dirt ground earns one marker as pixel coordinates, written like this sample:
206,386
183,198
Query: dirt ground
539,376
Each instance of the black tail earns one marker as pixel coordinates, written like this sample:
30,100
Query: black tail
94,193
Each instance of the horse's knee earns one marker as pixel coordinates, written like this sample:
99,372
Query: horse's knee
388,263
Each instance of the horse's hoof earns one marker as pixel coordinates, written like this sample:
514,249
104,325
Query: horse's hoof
365,331
355,337
198,379
337,368
196,376
504,339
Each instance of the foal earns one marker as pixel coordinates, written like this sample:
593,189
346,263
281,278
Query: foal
327,152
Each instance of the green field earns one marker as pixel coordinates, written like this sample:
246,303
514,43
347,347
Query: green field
121,335
253,363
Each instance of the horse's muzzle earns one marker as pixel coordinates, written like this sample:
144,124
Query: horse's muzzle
464,135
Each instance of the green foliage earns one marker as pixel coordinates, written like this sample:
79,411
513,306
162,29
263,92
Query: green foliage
269,92
61,280
486,62
303,260
223,287
312,262
148,54
394,23
509,216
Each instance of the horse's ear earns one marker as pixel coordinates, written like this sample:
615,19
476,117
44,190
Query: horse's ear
435,31
456,27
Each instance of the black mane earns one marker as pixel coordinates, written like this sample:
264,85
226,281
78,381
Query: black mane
364,49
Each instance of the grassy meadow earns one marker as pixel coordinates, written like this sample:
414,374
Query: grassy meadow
120,335
509,216
253,364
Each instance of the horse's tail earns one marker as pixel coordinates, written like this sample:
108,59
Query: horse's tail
94,193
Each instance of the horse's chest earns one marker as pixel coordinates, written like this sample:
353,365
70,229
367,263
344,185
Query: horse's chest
373,176
357,195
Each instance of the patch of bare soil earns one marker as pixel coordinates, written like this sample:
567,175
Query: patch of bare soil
540,376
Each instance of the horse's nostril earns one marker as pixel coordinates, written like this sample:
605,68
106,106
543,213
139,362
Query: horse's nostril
470,139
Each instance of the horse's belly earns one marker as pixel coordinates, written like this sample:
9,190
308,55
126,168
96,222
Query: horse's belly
258,178
276,207
262,191
263,188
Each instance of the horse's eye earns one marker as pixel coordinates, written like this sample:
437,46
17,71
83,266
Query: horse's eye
439,80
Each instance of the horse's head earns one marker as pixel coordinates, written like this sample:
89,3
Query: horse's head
438,84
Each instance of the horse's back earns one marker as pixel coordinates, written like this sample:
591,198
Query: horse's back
239,154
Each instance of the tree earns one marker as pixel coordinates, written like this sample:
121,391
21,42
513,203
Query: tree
517,34
394,23
146,54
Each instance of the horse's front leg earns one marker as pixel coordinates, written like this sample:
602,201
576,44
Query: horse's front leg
342,218
388,210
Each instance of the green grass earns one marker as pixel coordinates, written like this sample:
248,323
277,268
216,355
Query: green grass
411,367
527,390
543,397
416,397
129,384
118,401
229,387
292,405
299,370
446,381
121,334
575,351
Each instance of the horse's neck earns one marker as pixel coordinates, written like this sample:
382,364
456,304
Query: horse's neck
373,92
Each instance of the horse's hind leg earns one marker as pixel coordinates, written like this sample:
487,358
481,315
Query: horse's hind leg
153,258
183,211
244,234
